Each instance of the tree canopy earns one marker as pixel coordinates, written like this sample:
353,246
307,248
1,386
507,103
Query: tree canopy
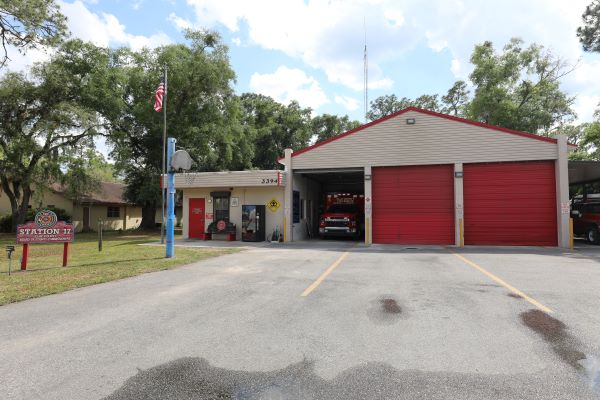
589,33
389,104
27,24
46,114
203,114
327,126
516,88
519,88
271,127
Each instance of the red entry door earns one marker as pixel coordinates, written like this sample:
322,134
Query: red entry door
196,219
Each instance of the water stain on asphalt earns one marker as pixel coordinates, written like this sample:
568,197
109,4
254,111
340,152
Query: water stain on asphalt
515,296
390,306
554,332
196,379
385,310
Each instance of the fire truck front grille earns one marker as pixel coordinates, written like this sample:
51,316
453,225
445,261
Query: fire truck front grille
337,223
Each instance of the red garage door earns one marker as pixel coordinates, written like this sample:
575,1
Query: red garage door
413,205
510,203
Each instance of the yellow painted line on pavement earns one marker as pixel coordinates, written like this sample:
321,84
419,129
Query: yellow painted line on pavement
325,274
503,283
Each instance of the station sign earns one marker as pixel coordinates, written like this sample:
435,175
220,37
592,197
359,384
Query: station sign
45,229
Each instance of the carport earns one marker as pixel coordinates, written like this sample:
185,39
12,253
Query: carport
583,172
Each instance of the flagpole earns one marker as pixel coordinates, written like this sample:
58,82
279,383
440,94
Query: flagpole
164,163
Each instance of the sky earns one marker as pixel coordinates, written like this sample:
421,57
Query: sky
312,51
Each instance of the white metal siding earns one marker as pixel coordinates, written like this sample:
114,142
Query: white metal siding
260,178
432,140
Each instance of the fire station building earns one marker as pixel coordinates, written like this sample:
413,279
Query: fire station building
424,178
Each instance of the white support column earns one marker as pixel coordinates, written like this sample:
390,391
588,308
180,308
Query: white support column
459,214
289,197
562,192
368,206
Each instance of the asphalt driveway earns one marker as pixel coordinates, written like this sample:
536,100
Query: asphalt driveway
319,320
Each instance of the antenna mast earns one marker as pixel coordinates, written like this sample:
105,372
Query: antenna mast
366,71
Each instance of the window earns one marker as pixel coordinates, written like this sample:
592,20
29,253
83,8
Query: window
296,207
221,208
113,212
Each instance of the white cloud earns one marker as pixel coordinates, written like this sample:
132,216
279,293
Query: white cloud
137,4
180,23
105,29
20,62
324,35
394,17
329,35
585,106
237,41
287,84
350,103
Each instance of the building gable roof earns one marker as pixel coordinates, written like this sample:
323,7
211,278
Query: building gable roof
431,113
108,193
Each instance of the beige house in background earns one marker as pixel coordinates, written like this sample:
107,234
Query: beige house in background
106,204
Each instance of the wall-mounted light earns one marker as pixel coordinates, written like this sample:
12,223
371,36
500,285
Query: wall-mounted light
367,177
458,174
411,121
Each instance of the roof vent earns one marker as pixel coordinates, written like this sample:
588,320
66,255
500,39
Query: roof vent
410,121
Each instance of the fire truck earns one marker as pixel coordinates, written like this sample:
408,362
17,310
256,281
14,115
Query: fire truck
343,216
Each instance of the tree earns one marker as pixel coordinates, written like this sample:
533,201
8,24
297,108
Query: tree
389,104
456,100
202,114
98,168
589,33
27,24
519,88
43,116
272,127
327,126
386,105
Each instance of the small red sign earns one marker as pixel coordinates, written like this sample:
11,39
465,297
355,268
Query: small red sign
32,232
209,216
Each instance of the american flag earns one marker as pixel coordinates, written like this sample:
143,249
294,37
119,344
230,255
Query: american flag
158,96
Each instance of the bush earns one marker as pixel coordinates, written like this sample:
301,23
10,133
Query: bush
6,220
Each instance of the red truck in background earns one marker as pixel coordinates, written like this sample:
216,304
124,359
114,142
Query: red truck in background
344,215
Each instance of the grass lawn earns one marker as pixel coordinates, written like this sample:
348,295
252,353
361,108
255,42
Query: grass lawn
121,257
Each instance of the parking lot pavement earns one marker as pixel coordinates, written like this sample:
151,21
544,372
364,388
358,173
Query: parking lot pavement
377,322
